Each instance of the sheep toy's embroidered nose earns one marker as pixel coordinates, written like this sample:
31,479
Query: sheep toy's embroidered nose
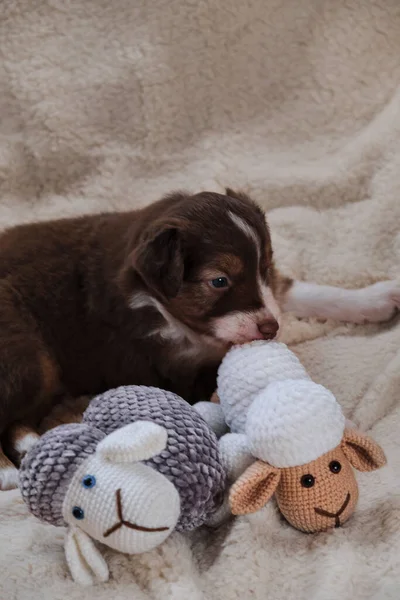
325,513
122,521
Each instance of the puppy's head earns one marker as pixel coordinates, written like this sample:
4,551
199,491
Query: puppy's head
206,261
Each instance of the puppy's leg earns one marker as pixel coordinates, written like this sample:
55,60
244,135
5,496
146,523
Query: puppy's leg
372,304
28,375
67,410
28,379
20,438
8,473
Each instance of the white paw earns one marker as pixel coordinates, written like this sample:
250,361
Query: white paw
8,478
24,444
376,303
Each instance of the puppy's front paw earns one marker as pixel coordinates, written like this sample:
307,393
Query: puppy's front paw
8,478
377,302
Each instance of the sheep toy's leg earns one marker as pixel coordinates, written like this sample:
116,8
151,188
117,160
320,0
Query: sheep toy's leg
213,415
235,457
235,454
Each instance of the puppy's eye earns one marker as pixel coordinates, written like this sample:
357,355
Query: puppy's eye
78,513
335,466
89,481
219,282
307,481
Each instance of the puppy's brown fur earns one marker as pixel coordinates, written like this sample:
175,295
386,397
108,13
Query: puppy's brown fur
91,303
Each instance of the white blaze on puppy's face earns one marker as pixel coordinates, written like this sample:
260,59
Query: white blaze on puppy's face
270,303
246,229
243,326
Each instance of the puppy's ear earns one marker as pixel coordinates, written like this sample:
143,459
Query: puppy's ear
243,197
159,261
361,451
236,194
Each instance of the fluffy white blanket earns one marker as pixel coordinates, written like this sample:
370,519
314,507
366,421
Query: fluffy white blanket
109,105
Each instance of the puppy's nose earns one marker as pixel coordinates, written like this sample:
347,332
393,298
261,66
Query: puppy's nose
268,328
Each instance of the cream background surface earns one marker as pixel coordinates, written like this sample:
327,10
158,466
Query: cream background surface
108,105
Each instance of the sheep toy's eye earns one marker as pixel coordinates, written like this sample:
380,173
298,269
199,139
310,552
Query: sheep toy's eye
335,466
307,481
78,513
89,481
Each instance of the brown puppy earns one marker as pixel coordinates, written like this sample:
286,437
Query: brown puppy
152,297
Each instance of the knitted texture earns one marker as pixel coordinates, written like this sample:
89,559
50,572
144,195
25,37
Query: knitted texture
191,459
127,505
248,369
293,422
329,502
253,490
84,559
47,469
313,497
296,430
362,451
235,454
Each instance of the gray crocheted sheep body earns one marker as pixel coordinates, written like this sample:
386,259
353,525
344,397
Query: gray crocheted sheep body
191,459
142,464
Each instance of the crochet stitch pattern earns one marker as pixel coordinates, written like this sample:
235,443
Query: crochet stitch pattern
46,471
142,464
191,459
296,429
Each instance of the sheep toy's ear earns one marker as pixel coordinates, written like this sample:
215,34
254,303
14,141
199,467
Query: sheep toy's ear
84,559
363,453
134,442
254,488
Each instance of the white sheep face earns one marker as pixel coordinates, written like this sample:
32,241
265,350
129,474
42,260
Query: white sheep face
123,503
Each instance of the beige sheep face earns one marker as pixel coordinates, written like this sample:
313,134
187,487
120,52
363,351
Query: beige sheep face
313,497
319,495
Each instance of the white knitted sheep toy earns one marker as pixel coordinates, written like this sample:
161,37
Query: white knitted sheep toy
142,464
296,430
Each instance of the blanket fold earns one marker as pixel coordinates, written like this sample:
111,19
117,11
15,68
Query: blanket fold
108,105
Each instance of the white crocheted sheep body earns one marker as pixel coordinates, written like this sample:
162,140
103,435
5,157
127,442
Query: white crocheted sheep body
267,396
287,438
248,369
266,393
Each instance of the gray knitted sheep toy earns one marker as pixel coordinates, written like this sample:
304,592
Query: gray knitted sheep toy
141,464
